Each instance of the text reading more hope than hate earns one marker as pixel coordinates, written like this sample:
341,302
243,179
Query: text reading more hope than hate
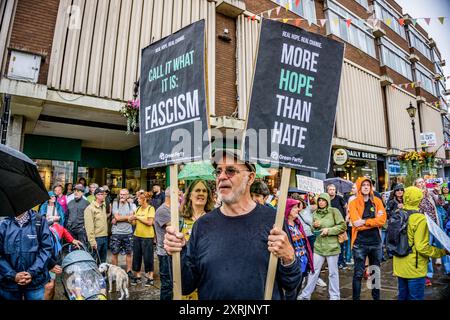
297,83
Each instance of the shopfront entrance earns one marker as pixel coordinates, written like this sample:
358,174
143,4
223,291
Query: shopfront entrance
61,161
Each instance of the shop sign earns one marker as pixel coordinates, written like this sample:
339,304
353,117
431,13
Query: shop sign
362,155
340,156
173,112
428,139
309,184
294,98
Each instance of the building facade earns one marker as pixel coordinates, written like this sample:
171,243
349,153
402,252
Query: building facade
68,66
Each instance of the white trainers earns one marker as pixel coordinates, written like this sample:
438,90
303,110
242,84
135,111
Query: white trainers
321,283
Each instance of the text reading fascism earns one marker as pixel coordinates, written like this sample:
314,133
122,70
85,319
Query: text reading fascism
181,109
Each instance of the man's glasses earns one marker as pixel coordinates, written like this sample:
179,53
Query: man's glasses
230,172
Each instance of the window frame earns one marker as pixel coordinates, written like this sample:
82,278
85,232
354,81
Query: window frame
356,22
414,34
393,15
313,19
395,50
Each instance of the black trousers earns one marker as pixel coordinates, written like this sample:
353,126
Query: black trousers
143,249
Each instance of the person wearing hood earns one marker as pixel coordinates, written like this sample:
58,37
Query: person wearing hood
445,196
367,215
299,240
328,224
428,206
412,269
395,200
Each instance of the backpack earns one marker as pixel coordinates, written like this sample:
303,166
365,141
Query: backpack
397,234
56,243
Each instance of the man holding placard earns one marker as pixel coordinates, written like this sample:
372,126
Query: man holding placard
229,248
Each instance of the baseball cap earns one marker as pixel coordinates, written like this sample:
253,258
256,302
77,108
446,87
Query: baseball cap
79,187
99,190
218,154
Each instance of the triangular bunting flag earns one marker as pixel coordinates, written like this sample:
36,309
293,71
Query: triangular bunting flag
414,21
388,21
406,85
322,22
278,10
269,13
441,20
287,6
249,18
401,21
297,2
348,22
285,20
253,18
412,85
336,21
427,20
310,22
297,21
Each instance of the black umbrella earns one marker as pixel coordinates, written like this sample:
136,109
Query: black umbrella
342,185
21,187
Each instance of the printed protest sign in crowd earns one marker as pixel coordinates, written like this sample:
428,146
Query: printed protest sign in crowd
174,111
173,100
294,95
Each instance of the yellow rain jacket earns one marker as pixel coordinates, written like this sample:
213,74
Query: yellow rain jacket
414,265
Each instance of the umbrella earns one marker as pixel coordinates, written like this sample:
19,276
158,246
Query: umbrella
342,185
295,190
197,170
21,187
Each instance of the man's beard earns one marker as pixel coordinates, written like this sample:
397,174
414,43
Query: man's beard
235,196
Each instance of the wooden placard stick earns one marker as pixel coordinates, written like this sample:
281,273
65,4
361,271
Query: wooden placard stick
279,220
174,221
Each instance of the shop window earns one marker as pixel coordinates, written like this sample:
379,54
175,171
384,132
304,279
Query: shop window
133,180
114,180
54,172
353,169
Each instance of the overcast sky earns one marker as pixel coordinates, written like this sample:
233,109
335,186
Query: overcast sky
439,32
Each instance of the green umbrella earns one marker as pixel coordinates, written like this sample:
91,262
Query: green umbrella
261,172
197,170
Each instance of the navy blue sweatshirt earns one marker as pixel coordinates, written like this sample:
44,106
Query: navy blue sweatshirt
226,258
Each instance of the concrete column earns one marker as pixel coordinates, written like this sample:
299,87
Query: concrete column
14,137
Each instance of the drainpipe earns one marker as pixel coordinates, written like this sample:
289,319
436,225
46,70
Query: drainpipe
5,119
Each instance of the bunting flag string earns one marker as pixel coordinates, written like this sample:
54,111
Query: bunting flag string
348,21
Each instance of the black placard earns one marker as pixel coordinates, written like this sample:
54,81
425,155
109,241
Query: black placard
294,97
173,113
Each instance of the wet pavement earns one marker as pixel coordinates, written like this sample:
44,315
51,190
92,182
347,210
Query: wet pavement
440,289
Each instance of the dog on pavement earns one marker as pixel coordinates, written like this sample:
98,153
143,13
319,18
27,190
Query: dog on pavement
115,273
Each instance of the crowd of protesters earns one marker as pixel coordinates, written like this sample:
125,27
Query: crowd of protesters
339,229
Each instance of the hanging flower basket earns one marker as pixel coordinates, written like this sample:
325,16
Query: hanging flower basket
415,162
131,112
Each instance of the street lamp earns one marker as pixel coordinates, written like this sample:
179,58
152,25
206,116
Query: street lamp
412,114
